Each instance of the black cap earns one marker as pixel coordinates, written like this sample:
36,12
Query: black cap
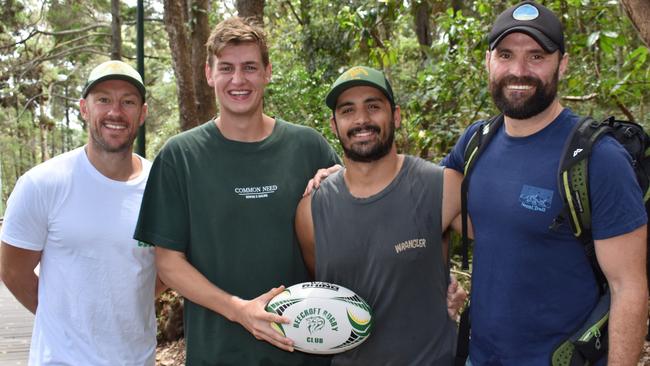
533,19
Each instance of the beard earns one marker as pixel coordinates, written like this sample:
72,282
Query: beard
524,108
367,152
101,142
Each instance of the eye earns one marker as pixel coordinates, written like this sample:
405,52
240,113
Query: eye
130,102
224,68
103,100
373,107
504,55
346,110
250,68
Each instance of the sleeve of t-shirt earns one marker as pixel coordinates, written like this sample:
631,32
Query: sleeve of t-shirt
163,219
616,198
26,217
456,158
327,154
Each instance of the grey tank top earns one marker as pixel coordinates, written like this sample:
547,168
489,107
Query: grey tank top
387,248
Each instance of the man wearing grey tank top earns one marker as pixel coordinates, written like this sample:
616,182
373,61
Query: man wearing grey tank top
376,227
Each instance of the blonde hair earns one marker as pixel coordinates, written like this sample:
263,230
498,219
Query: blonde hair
235,31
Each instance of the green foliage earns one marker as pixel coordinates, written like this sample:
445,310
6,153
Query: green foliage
441,88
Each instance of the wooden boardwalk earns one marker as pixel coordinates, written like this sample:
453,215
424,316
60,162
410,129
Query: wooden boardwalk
15,330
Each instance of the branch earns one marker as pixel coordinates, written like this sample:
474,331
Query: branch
293,10
625,110
61,33
68,51
457,272
580,98
29,101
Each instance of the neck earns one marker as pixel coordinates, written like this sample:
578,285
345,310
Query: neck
245,128
367,179
534,124
119,166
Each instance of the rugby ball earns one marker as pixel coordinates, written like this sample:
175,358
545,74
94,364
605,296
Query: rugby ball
325,318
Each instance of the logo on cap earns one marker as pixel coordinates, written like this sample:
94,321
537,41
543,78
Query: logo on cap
354,73
525,12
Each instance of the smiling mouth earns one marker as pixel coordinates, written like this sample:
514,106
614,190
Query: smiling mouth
364,131
519,87
112,126
239,93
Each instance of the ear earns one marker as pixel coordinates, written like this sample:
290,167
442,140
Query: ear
564,65
397,117
83,108
143,113
268,72
208,74
333,126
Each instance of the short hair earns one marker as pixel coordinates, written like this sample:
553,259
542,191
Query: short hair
235,31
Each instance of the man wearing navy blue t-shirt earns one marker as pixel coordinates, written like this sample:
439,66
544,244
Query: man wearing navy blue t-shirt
532,287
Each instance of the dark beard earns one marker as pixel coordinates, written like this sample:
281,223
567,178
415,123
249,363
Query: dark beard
375,153
523,109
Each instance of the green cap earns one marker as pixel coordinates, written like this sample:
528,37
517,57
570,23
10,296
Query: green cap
359,76
114,70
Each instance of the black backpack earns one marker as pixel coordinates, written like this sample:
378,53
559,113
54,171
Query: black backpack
573,184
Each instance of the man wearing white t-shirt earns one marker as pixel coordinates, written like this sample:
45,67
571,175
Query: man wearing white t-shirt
75,215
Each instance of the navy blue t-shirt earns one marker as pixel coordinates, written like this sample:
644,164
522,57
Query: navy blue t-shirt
531,286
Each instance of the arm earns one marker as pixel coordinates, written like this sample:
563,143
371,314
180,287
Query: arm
305,231
456,294
160,287
450,197
622,259
175,271
17,271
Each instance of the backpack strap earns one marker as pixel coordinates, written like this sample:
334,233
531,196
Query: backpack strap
475,146
573,178
477,143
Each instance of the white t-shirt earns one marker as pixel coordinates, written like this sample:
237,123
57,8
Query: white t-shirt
96,283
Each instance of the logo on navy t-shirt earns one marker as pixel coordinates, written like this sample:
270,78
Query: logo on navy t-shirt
535,198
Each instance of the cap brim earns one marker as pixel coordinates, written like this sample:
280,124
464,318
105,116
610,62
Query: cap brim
546,43
334,94
132,81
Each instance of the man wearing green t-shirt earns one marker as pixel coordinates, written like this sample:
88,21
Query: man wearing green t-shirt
219,206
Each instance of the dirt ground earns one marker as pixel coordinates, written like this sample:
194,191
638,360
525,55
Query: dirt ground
173,354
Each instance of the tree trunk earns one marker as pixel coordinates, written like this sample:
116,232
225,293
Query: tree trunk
206,104
422,23
639,13
116,31
251,8
175,16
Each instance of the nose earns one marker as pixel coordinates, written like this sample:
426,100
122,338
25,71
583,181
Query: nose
362,116
116,108
519,67
238,76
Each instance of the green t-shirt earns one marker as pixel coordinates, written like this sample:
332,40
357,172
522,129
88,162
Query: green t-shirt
230,207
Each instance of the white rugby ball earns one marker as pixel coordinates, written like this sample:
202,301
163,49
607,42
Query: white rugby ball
325,318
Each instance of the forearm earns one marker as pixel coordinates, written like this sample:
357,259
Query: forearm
627,325
17,271
24,288
180,275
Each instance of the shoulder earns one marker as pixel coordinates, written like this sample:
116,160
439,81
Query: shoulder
456,158
421,166
56,169
294,130
186,142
